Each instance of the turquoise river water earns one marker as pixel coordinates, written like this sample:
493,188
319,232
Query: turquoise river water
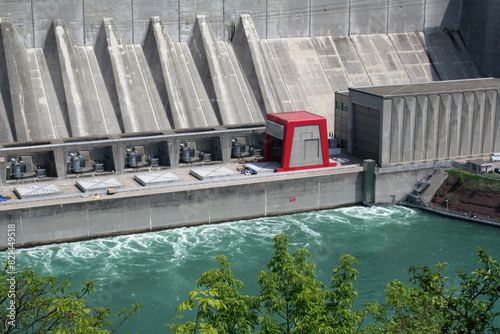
159,269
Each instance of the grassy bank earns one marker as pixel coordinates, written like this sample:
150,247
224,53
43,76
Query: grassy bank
469,194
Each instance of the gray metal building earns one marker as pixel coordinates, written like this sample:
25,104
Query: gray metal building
425,122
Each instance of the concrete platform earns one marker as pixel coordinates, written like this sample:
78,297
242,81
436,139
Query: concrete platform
211,173
98,186
266,167
157,179
37,190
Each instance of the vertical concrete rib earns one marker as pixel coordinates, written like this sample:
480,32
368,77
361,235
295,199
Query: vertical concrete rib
102,93
467,120
455,125
91,100
219,76
141,98
73,82
496,125
420,126
116,66
199,93
408,130
396,127
443,125
280,89
43,110
151,91
247,46
56,113
489,120
238,86
172,79
17,86
477,122
7,128
255,113
63,68
5,131
432,127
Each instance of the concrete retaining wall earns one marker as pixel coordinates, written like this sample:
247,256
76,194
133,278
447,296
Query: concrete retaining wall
392,186
213,203
273,18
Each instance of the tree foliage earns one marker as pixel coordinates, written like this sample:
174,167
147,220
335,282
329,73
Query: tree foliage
220,308
31,303
292,300
291,296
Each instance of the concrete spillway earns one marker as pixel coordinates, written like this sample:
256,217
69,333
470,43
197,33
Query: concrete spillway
66,90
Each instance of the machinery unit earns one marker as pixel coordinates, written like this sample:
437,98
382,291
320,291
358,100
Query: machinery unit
76,163
206,157
153,162
299,140
187,153
237,149
133,157
17,169
40,173
98,167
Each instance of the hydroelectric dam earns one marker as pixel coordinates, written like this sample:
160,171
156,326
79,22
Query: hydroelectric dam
97,80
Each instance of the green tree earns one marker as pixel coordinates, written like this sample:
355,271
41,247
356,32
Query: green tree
468,307
406,310
31,303
220,306
434,305
292,298
341,297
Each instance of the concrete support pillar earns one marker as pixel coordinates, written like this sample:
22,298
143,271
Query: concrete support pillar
119,154
60,162
489,121
408,134
420,126
477,123
385,136
455,125
496,129
226,146
369,181
397,111
443,126
174,151
467,110
432,127
3,170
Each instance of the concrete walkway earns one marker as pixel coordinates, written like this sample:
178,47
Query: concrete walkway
435,182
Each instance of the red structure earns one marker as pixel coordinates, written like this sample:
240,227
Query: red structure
299,140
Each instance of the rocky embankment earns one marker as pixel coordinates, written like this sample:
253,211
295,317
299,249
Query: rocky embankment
469,195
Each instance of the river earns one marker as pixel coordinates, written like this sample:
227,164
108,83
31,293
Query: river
158,269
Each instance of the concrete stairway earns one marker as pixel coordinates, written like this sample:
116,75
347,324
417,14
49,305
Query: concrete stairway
66,90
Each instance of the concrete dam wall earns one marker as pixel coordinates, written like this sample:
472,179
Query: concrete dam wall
70,71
